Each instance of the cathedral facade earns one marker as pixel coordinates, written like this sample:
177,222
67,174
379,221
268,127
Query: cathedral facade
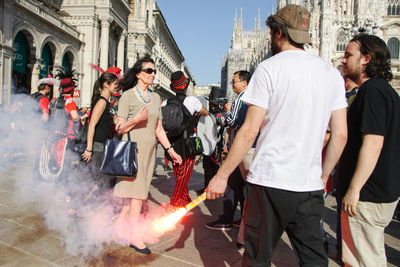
248,48
332,25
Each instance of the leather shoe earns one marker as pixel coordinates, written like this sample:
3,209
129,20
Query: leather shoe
145,250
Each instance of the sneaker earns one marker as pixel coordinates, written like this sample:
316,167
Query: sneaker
236,223
219,225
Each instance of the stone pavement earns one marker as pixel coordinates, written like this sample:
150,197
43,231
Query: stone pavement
25,240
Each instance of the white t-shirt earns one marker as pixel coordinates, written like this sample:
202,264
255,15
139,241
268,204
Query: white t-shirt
299,90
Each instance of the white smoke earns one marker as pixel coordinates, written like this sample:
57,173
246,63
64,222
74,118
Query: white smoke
84,220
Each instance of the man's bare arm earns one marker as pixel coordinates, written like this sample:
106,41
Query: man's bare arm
337,142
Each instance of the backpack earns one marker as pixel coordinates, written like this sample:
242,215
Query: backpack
175,116
58,117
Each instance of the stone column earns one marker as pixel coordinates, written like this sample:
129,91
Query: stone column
35,75
121,51
105,36
150,17
6,62
143,9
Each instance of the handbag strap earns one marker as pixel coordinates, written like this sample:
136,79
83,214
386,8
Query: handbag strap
117,135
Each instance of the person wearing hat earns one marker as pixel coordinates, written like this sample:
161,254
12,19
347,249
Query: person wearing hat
293,97
216,103
67,86
42,96
236,114
183,171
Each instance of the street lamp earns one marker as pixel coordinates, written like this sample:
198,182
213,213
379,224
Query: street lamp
367,27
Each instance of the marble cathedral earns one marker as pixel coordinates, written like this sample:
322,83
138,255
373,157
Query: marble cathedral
332,25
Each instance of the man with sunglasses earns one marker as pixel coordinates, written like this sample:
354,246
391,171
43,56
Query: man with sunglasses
236,114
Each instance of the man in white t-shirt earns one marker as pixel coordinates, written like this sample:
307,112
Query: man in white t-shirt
182,172
294,95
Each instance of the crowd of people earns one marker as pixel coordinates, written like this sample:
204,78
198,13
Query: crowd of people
296,127
294,97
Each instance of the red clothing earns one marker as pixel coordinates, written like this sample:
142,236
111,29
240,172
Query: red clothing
44,105
69,106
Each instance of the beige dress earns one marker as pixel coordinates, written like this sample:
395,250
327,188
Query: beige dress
144,134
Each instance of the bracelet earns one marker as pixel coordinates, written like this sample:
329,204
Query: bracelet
168,148
88,150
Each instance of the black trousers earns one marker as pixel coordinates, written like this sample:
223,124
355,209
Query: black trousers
270,211
210,169
233,196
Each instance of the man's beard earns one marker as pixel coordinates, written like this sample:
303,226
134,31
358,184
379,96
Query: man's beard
275,49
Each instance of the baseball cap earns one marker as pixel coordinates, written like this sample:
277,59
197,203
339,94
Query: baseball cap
297,20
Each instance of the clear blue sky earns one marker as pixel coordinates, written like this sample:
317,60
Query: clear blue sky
203,30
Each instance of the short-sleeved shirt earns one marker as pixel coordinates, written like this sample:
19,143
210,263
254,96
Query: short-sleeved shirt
375,110
300,91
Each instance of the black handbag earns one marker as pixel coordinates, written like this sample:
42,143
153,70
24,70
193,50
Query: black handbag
80,142
194,145
120,158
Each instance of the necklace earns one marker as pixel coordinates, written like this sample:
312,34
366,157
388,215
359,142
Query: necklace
148,95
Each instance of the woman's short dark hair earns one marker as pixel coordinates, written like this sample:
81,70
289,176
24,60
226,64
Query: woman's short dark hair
130,79
275,26
379,66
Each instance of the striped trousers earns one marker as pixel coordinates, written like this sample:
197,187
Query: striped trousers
182,174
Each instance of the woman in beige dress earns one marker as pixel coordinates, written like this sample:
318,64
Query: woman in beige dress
139,115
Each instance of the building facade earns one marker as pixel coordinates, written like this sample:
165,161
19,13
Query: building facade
332,25
248,48
38,37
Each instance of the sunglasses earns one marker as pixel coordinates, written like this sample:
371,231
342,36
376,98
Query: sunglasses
149,71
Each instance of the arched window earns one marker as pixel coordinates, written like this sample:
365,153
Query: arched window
20,66
341,41
20,45
393,7
393,45
67,61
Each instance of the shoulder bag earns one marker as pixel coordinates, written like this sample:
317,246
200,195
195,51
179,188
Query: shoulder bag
120,157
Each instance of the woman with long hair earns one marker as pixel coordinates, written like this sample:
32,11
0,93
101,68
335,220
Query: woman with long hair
100,125
139,115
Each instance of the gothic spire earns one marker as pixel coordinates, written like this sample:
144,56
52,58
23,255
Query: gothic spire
241,19
235,20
